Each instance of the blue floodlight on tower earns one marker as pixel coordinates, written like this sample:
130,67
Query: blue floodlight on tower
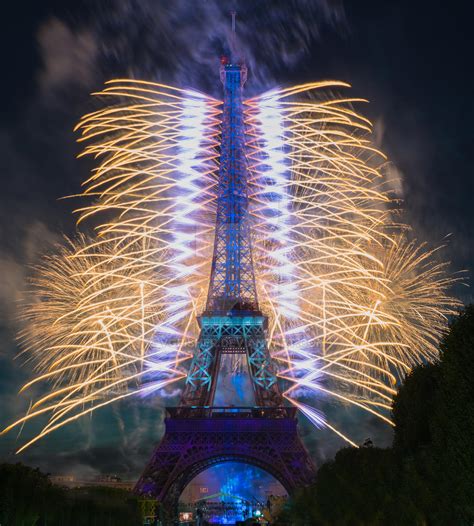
232,282
232,322
199,435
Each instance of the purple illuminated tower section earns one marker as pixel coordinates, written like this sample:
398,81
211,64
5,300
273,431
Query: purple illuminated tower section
198,434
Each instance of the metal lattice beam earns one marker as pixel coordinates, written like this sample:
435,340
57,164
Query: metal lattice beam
199,435
193,444
232,279
244,334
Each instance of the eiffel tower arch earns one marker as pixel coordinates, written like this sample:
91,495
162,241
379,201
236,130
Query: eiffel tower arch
198,434
196,440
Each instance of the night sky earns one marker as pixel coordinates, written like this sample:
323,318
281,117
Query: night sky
411,59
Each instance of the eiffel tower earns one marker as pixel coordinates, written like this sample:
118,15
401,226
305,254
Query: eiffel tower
198,434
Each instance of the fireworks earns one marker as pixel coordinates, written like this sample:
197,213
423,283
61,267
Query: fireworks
91,332
353,304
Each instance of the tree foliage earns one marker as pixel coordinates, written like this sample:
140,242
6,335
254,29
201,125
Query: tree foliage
427,477
27,498
26,495
452,424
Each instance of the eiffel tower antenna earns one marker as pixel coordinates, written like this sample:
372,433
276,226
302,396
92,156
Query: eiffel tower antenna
233,39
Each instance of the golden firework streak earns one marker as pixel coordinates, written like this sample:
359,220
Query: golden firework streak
353,303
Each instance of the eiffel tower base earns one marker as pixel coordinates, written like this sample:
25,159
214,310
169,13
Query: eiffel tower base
197,438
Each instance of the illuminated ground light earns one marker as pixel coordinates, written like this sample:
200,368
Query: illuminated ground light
230,492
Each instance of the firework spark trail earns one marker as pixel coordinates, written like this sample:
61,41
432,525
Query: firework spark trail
88,340
158,178
353,304
115,314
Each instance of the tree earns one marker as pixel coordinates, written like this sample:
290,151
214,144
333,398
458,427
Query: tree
427,477
26,495
360,487
453,421
433,414
27,498
102,506
413,408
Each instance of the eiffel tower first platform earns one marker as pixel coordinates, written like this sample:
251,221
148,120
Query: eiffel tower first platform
199,435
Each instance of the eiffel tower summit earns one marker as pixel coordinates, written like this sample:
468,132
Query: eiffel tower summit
198,433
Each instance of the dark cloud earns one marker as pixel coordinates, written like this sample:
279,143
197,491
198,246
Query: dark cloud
68,56
181,41
33,240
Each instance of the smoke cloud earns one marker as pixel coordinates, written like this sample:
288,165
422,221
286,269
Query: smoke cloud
181,42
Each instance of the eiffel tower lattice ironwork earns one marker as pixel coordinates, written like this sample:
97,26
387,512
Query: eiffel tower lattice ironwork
198,434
